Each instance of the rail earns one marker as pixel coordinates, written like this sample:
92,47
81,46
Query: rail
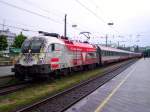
72,95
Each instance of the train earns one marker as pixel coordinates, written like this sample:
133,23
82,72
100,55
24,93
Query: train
51,54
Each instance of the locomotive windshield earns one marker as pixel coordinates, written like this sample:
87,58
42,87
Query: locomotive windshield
25,46
34,46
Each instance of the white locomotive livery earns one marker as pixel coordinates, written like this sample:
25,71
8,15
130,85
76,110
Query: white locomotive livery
50,53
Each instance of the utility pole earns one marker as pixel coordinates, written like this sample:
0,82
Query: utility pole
65,26
106,39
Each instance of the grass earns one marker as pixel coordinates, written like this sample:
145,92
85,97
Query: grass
39,91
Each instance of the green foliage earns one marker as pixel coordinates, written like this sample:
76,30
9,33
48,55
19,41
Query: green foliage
3,42
19,40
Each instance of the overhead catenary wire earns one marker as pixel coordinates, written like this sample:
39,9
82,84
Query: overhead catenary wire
84,6
41,8
29,11
84,28
16,22
97,16
32,12
20,28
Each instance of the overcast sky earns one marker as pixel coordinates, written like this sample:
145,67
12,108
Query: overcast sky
130,18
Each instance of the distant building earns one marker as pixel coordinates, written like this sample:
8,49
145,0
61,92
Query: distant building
10,36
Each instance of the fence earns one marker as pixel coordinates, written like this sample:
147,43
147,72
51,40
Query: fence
8,59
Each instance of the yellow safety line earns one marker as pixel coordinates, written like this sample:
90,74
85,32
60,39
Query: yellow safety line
99,108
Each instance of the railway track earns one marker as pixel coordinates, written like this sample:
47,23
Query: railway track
63,100
13,87
5,79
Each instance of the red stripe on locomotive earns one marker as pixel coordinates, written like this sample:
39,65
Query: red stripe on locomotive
54,59
77,46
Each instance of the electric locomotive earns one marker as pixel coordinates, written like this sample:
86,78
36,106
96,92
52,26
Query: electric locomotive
42,55
50,53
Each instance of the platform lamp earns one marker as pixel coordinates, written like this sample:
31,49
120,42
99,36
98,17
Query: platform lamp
110,24
74,26
22,30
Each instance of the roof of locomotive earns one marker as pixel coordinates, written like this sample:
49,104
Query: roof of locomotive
78,44
50,39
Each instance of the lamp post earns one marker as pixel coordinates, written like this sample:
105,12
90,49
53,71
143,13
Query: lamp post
22,30
74,26
110,24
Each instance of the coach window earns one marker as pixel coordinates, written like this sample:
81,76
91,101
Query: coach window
102,53
106,53
109,53
116,53
113,53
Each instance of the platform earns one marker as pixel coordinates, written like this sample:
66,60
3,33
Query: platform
127,92
5,71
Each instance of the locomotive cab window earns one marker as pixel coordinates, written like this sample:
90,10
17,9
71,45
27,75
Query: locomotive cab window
36,46
55,47
25,46
52,47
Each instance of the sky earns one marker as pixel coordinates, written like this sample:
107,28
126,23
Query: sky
130,17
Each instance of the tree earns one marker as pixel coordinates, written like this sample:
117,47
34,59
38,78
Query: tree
19,39
3,42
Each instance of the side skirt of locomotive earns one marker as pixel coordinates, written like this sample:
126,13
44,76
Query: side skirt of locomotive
36,71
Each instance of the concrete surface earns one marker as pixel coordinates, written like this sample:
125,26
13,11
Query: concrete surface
127,92
5,71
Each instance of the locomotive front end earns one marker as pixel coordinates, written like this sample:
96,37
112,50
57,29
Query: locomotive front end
31,61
